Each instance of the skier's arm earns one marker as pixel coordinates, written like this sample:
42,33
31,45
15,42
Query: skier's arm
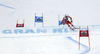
62,20
70,18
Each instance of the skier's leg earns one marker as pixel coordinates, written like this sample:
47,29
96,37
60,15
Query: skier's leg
69,25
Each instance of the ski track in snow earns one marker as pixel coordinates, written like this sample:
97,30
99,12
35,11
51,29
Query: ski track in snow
87,48
7,6
70,38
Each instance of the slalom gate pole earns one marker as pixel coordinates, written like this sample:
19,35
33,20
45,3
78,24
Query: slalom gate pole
84,33
88,37
79,43
89,43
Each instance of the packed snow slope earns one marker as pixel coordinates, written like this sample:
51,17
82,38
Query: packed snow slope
50,39
55,41
49,43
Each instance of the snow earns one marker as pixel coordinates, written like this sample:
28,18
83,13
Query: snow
38,45
84,13
49,43
65,44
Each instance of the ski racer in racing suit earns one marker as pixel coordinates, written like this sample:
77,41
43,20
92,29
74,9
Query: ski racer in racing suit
66,21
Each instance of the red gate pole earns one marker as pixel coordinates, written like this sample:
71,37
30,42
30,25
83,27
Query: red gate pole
81,34
79,43
89,42
88,37
79,38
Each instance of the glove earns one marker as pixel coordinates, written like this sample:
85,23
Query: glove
71,21
63,23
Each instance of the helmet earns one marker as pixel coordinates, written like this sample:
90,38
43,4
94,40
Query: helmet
66,15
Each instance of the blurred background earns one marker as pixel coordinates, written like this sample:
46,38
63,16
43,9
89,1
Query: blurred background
83,12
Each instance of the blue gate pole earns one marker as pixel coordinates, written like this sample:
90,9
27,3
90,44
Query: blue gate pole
43,21
58,19
34,20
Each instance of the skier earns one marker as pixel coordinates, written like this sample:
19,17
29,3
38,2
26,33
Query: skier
66,21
